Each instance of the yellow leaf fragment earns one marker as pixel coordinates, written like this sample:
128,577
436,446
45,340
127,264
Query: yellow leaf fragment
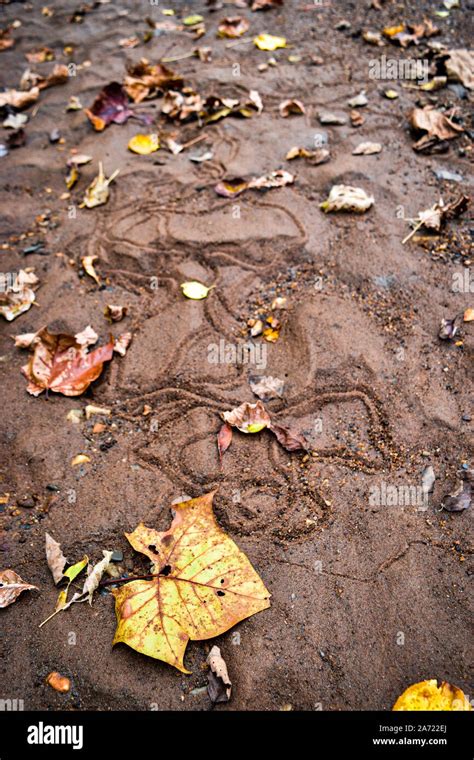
427,695
144,144
269,42
468,315
204,585
80,459
195,290
88,266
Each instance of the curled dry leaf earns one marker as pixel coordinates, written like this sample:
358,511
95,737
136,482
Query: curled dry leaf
291,107
145,80
367,149
98,191
19,99
248,418
55,558
230,188
358,101
433,218
204,585
267,387
224,439
61,364
346,198
88,266
122,343
315,157
252,418
459,66
288,438
219,686
87,336
436,126
17,297
448,329
461,498
11,586
115,312
95,575
427,695
233,26
110,106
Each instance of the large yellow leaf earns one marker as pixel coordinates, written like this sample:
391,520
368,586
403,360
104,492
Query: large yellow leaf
205,585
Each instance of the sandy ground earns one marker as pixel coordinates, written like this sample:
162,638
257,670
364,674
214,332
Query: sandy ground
366,599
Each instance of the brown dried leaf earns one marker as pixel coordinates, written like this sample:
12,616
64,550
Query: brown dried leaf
55,558
11,586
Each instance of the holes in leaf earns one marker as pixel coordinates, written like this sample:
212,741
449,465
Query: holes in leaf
153,548
166,570
220,593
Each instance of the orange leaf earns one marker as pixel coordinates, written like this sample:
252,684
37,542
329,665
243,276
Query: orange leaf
204,586
62,364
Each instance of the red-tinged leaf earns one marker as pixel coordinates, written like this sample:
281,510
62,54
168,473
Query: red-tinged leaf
111,105
224,439
288,438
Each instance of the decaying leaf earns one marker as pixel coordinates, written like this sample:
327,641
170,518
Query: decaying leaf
19,99
110,106
55,558
88,266
459,66
11,586
95,575
433,218
346,198
219,686
248,418
230,188
436,126
61,364
204,585
144,144
194,290
114,312
358,101
98,191
314,157
267,387
269,42
122,343
461,498
17,297
427,695
448,329
233,26
367,149
145,80
289,107
252,418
